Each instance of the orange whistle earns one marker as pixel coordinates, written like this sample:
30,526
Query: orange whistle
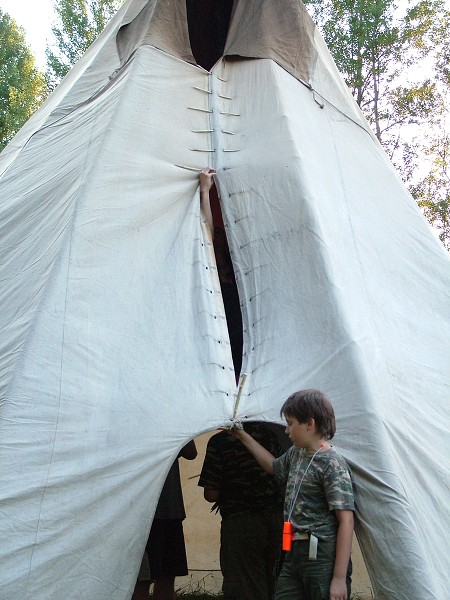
287,536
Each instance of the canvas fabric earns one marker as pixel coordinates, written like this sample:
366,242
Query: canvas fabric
114,348
251,33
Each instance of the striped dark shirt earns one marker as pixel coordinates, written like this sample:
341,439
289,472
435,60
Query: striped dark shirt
230,468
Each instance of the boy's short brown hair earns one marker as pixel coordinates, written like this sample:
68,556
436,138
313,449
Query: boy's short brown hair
311,404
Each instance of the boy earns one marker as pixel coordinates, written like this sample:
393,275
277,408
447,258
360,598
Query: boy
318,501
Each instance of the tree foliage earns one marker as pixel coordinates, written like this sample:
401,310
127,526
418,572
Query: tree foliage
21,84
432,192
372,46
395,62
78,24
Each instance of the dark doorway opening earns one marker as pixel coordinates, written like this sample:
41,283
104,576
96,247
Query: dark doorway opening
227,283
208,22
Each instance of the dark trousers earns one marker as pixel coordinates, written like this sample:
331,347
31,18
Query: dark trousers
304,579
250,546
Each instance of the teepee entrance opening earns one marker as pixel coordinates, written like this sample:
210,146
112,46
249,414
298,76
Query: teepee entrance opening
227,282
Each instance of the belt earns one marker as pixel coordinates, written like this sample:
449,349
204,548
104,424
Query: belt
313,542
300,535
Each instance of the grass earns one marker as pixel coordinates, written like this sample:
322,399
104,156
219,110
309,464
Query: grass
199,595
198,590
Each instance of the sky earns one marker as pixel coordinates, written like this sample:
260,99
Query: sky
36,17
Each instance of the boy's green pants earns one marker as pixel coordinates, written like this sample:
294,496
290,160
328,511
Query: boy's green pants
304,579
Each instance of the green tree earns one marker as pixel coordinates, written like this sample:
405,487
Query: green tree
372,45
432,191
364,42
426,165
395,62
22,86
78,24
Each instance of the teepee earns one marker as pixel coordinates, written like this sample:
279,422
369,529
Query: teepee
115,349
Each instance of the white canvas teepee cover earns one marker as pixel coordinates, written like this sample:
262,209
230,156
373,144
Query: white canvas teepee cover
114,347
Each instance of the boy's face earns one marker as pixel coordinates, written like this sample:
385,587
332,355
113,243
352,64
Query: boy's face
299,433
302,435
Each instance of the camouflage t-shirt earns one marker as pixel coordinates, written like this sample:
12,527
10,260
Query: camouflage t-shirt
325,487
230,468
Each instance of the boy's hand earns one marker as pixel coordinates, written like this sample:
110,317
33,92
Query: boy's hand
237,433
338,589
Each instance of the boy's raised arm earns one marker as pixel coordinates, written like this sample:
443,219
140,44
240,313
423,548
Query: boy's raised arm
263,456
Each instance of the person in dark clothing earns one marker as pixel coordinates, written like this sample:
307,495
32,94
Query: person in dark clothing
165,550
250,504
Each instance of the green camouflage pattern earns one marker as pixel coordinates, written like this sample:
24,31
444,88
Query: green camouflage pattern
325,487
